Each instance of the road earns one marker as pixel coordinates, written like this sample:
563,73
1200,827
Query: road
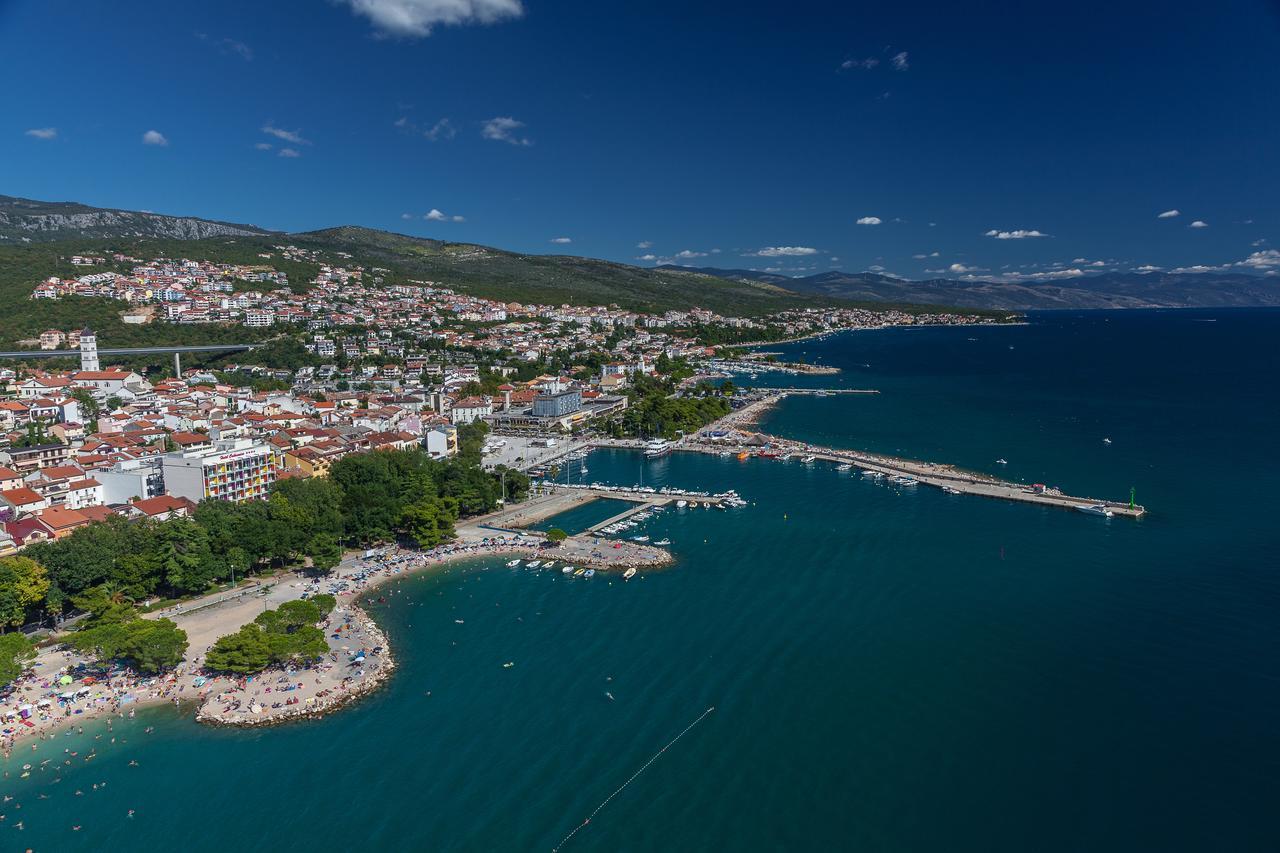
75,353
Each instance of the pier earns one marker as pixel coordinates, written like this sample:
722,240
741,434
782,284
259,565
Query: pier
926,473
641,500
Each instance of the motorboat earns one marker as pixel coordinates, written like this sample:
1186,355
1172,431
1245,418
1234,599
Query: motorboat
663,542
513,564
533,564
590,573
629,573
657,447
1095,509
1002,461
681,504
567,570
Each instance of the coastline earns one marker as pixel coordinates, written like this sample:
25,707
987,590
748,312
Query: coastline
246,702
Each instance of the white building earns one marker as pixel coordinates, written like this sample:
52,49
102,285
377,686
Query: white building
257,318
235,470
470,409
132,478
441,442
89,350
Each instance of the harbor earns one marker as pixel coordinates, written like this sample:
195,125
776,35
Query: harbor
732,436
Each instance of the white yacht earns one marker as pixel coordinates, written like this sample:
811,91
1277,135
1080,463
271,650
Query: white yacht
657,447
1095,509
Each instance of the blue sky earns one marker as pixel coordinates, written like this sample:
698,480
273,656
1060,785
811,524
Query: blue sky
1013,139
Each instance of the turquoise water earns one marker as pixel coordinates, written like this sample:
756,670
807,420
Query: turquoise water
890,670
582,517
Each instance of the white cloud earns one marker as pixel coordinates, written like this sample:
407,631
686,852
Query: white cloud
416,18
42,132
1148,268
1199,223
644,244
783,252
239,48
1020,234
561,240
1044,276
834,259
688,254
289,152
1261,241
865,64
870,220
1169,214
406,216
437,215
959,269
287,135
900,61
922,256
1199,268
1267,259
503,129
154,137
715,251
648,257
263,146
443,129
875,268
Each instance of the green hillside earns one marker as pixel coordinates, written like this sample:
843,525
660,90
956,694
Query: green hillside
552,279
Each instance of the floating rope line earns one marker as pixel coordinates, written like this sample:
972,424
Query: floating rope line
645,767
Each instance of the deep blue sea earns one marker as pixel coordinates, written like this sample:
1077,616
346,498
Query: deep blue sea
891,670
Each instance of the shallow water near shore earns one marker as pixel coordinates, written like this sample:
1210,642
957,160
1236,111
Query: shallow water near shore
891,669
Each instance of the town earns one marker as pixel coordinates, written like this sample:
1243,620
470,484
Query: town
81,445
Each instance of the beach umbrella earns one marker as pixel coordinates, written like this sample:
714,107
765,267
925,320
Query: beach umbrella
66,679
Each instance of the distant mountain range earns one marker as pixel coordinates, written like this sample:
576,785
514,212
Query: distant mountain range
511,276
24,220
1104,290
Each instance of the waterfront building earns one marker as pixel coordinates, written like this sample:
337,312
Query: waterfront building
233,470
557,405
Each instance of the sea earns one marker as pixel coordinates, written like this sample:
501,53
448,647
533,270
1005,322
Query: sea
891,669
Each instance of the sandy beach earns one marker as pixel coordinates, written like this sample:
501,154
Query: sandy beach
65,688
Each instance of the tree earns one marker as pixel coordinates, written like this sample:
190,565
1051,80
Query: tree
556,535
88,403
429,522
115,631
16,654
156,644
277,636
245,651
324,551
23,583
